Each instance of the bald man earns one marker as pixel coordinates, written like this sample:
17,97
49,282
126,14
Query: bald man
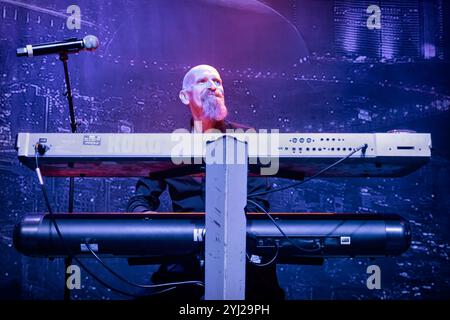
202,92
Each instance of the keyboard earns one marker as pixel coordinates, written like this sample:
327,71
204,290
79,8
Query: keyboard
295,155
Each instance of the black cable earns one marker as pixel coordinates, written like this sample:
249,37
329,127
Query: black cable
282,232
364,147
71,255
146,286
267,263
66,247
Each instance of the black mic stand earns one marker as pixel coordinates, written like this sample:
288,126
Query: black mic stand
63,56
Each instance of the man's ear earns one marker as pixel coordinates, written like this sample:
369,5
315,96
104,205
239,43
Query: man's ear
184,97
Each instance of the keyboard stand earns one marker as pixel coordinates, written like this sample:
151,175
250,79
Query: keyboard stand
225,220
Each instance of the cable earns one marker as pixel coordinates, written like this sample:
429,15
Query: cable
282,232
141,285
69,251
71,255
267,263
364,147
66,247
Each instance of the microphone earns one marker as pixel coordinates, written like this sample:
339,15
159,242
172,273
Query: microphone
73,45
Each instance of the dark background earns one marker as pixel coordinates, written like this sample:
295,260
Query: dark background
295,65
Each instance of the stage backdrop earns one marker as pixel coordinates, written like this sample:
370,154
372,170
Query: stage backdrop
296,66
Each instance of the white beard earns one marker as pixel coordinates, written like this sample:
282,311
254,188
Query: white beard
214,108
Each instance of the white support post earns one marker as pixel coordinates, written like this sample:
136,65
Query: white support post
225,221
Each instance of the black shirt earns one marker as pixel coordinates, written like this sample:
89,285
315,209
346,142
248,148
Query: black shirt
188,192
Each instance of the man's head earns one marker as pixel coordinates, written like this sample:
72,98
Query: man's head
203,93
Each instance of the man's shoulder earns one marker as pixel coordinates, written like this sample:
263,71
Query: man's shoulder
235,125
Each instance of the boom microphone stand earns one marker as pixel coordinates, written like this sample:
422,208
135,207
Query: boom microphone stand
63,56
63,48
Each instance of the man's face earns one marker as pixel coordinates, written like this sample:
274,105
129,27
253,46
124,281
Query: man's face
206,94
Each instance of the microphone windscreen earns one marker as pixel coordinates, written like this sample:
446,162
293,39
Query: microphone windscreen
90,42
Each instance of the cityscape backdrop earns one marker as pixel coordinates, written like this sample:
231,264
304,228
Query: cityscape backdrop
294,65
